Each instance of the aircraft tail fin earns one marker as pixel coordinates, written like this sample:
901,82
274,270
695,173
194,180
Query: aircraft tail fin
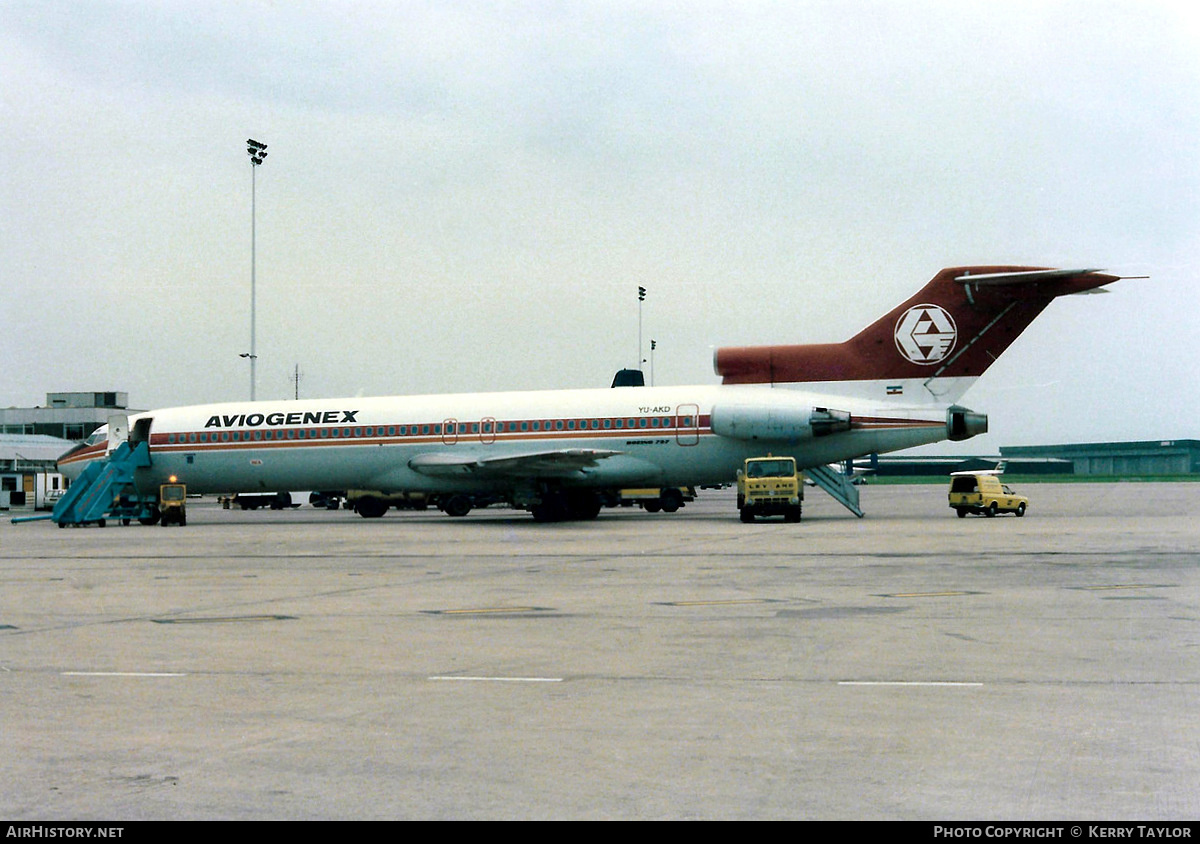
931,347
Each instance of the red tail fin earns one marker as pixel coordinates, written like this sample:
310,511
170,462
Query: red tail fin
955,326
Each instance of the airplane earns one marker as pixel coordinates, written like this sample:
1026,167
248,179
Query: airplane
997,471
892,386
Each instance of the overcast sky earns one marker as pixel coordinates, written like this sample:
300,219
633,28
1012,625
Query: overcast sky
464,196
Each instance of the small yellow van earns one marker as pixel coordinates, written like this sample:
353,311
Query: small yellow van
983,494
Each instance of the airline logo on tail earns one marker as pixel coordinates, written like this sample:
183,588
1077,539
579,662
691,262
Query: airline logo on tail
925,334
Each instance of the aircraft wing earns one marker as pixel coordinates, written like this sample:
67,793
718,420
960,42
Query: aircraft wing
556,463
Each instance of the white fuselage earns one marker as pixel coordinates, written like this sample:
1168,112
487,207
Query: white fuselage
641,436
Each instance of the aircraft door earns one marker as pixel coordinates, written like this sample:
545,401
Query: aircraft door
687,424
118,431
487,430
140,432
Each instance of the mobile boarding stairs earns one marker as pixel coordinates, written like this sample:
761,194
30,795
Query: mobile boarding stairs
106,489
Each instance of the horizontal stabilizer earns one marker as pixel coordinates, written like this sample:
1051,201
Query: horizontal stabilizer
1021,277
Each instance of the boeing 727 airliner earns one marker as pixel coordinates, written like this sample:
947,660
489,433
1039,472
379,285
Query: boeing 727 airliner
893,386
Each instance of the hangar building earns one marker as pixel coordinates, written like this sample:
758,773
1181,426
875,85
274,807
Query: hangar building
1128,459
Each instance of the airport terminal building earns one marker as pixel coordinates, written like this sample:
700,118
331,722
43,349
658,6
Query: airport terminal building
29,475
32,439
68,416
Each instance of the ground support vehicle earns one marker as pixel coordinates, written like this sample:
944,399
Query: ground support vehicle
106,488
983,494
254,500
326,500
770,486
652,499
129,506
372,503
172,504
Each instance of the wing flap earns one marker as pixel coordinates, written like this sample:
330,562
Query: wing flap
556,463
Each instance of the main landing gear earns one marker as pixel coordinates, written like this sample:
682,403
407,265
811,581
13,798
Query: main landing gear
566,505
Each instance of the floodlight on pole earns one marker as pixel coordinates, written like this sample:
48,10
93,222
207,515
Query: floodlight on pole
641,298
257,152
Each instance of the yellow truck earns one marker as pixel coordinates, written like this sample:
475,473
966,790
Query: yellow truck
770,486
172,504
983,494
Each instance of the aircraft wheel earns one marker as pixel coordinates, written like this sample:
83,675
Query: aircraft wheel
457,506
371,508
583,506
125,522
546,512
552,508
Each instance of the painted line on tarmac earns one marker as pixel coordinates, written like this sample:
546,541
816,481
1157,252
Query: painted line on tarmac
729,603
122,674
951,683
223,619
490,611
1111,586
501,679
